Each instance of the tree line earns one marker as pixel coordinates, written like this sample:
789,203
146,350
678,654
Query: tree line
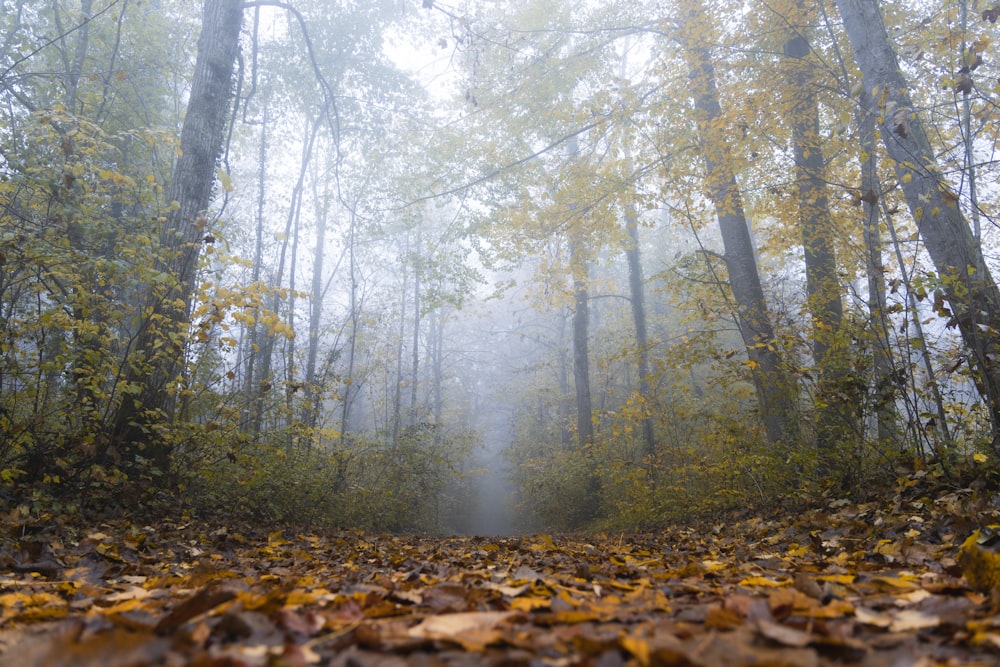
645,260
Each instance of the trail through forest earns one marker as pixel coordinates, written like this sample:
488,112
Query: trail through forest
872,584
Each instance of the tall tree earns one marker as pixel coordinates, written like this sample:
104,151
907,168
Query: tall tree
835,411
776,391
637,296
963,276
160,347
581,347
637,300
579,277
885,389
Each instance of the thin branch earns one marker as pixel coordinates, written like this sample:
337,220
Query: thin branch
328,95
57,38
507,167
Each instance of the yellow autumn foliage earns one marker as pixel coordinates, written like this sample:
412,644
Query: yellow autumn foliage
980,566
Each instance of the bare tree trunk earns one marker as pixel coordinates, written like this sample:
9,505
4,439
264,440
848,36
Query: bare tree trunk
415,348
563,374
836,419
310,409
159,352
638,302
73,67
254,342
581,365
289,362
885,386
776,392
436,335
352,341
263,382
397,398
581,352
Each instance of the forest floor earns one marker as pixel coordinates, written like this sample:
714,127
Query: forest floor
868,584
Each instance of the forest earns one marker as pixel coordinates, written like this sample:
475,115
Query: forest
494,269
684,308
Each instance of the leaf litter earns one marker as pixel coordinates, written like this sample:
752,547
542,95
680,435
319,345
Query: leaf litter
912,581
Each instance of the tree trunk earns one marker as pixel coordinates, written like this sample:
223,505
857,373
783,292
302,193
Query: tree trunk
776,392
581,353
835,398
638,302
288,342
885,387
397,396
73,67
159,351
436,335
263,383
415,343
565,435
255,332
352,341
310,409
964,279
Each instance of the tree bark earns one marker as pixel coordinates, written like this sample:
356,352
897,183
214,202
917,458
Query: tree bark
637,297
565,435
159,353
354,321
885,389
310,409
776,392
964,279
581,352
255,332
72,78
397,396
418,267
836,415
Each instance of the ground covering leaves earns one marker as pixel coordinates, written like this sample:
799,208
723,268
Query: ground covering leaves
870,584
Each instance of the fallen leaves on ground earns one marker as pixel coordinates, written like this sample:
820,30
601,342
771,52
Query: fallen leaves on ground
870,585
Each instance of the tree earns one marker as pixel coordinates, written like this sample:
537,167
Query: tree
637,300
835,412
776,391
962,274
884,386
76,217
158,360
636,288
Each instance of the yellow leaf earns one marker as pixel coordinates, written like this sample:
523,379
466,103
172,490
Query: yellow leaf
227,183
763,582
529,603
121,607
895,583
980,566
639,648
